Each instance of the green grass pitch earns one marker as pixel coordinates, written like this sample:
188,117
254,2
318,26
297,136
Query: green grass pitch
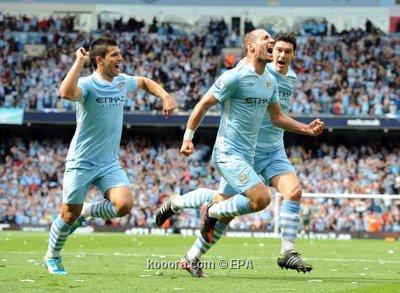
117,262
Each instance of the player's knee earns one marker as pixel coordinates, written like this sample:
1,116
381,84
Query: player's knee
295,194
69,216
261,202
219,198
124,207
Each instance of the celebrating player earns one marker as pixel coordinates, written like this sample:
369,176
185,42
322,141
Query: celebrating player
271,163
93,154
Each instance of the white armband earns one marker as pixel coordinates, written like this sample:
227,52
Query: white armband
189,134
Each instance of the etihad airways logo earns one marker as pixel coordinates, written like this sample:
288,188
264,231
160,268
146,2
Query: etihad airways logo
256,102
111,101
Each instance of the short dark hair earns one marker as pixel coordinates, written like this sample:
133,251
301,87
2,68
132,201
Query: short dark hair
99,48
287,37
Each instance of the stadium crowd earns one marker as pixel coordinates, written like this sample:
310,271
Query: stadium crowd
356,72
31,184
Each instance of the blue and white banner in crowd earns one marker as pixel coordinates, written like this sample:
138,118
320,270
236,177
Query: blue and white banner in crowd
11,116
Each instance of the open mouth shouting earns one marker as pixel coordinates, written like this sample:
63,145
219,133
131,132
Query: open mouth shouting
116,67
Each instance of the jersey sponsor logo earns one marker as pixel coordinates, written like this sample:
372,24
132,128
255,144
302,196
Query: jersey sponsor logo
243,178
256,102
111,101
285,95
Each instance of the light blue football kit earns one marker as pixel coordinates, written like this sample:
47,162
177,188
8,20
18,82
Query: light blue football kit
270,157
93,153
244,96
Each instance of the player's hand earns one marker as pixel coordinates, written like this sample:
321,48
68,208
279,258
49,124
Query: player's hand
82,54
187,148
169,105
316,127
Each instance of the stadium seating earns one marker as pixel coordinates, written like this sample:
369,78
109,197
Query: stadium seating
352,73
31,183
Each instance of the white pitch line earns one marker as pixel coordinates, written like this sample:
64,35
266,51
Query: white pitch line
212,256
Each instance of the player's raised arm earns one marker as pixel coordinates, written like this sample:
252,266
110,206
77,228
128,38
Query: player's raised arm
69,89
207,101
282,120
155,89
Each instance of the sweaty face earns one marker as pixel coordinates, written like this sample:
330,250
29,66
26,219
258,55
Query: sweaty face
112,61
283,55
264,47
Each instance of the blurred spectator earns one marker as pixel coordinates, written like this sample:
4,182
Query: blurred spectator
353,73
31,176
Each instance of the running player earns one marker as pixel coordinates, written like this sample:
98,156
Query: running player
271,163
93,153
231,207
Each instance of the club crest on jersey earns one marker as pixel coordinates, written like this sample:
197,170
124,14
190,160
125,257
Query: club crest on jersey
269,85
121,85
243,178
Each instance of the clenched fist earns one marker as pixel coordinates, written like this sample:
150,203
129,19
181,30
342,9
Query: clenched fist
187,148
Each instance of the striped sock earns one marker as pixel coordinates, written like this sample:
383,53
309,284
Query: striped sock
58,234
200,247
235,206
289,222
193,199
100,209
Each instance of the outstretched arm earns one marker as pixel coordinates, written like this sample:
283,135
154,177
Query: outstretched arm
282,120
207,101
155,89
69,89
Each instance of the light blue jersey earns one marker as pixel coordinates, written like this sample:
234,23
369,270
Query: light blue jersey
244,96
99,114
270,137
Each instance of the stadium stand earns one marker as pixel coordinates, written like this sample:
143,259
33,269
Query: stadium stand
354,72
31,183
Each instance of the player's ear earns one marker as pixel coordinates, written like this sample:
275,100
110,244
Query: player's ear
99,59
251,48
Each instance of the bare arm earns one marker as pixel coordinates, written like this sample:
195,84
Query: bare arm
155,89
69,89
283,121
207,101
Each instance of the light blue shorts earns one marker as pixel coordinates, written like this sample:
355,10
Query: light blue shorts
77,180
236,171
267,165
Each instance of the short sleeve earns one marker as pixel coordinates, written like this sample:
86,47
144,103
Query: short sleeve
84,85
274,98
131,83
225,86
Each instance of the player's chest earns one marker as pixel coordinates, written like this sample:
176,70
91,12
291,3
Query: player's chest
107,98
255,92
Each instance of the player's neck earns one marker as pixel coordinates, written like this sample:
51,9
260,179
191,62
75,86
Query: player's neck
258,65
104,76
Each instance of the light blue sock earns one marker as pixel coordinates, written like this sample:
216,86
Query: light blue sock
235,206
200,247
289,223
58,234
100,209
193,199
